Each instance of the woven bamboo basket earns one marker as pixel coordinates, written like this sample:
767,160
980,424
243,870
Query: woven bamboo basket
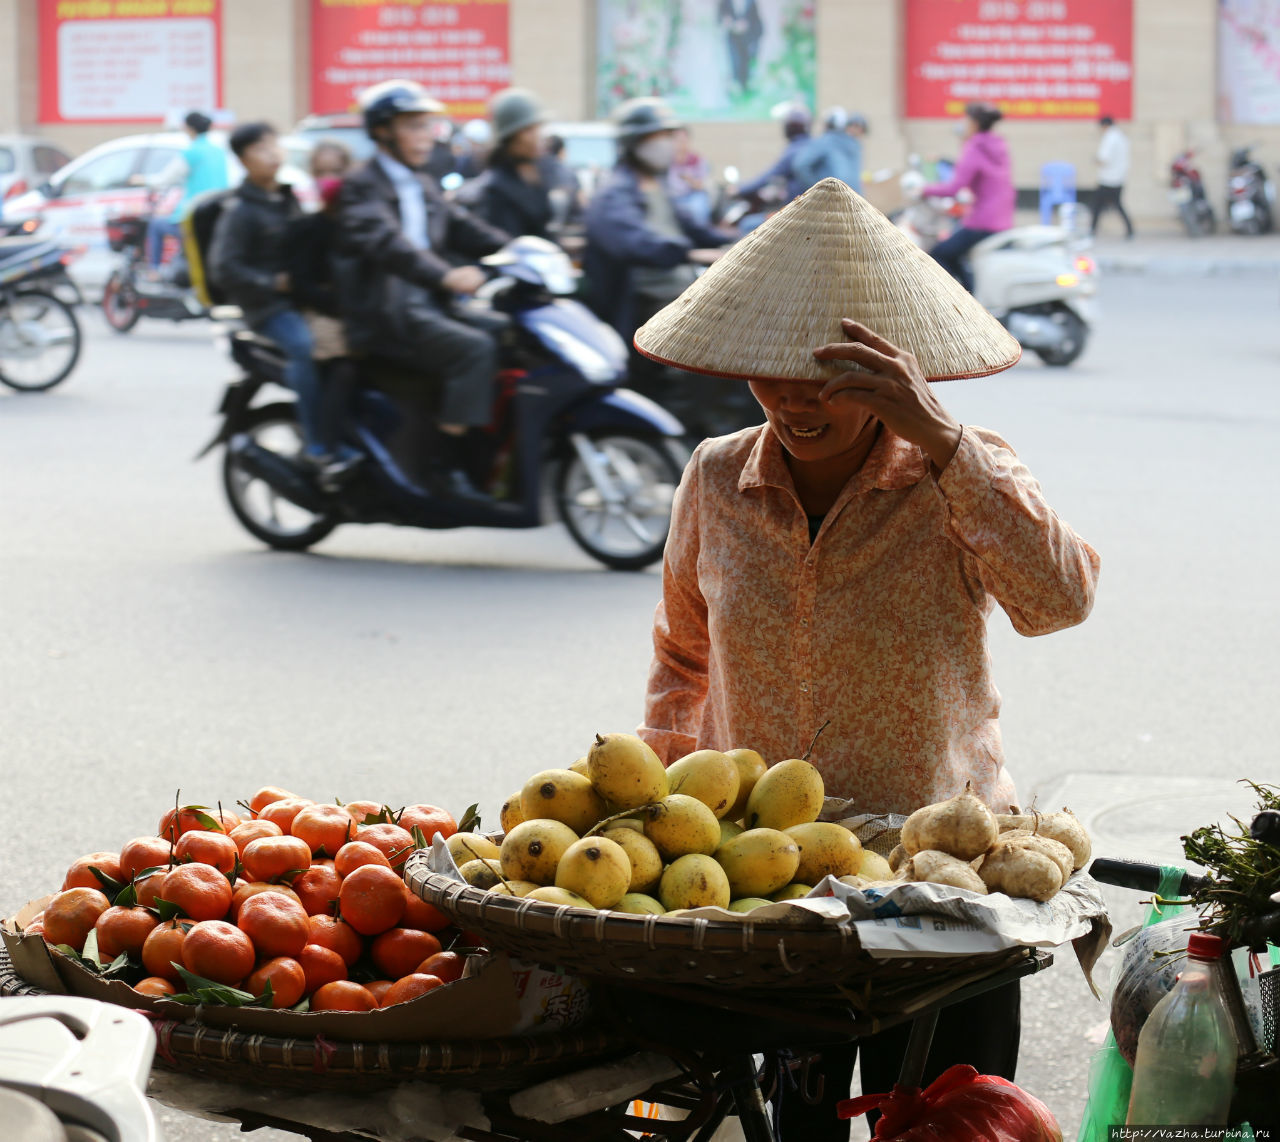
742,955
317,1064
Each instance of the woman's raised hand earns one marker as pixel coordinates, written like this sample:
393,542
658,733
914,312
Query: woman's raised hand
893,389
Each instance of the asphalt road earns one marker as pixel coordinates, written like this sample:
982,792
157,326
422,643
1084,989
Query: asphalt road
149,644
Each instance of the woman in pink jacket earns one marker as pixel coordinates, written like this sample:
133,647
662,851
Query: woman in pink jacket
984,170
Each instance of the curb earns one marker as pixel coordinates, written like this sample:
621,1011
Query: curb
1176,266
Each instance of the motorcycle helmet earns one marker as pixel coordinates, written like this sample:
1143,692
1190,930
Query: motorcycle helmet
636,118
513,110
382,102
794,117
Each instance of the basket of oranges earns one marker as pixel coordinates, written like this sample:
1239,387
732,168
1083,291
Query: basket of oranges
281,945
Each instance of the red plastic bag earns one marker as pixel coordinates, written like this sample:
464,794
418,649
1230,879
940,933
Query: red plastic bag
960,1105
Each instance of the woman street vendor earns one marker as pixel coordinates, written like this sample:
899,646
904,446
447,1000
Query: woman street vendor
839,562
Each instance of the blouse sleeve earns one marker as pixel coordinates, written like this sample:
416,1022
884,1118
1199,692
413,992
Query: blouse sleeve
677,688
1031,562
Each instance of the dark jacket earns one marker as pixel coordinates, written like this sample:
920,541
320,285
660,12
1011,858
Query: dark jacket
250,249
312,247
378,266
784,168
619,237
505,200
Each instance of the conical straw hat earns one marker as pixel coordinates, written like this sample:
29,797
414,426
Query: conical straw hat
760,311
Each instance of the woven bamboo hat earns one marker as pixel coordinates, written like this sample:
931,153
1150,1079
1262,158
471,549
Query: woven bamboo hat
760,311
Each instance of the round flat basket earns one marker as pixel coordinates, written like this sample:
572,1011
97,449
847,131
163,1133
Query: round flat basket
732,954
317,1064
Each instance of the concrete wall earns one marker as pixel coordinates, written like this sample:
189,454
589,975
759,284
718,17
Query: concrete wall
860,58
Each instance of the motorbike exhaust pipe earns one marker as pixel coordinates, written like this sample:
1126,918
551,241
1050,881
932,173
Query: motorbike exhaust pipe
279,472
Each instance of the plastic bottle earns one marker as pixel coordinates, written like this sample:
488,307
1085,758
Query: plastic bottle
1185,1070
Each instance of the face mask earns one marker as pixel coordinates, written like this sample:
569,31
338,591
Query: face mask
657,153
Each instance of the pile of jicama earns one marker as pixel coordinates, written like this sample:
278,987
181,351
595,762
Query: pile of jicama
962,843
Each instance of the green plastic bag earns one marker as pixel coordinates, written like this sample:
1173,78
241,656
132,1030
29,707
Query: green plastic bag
1110,1075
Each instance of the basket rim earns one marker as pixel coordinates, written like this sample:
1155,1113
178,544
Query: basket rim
510,911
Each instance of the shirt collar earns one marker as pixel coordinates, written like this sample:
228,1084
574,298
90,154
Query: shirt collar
396,171
892,464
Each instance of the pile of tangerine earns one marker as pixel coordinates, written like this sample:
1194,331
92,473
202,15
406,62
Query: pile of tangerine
301,894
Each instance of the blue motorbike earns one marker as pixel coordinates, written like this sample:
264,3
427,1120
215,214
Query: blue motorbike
612,457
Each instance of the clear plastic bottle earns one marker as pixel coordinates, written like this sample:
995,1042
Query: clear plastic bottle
1185,1070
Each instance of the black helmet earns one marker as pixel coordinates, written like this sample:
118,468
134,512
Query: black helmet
637,118
382,102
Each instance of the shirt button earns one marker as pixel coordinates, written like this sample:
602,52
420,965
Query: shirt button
804,622
804,687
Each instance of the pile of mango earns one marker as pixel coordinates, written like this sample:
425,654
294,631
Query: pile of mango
616,831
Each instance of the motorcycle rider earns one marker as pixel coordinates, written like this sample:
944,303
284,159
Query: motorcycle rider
836,153
796,122
642,250
201,167
399,238
985,169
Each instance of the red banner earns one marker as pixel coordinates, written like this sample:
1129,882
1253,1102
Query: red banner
128,61
1035,59
457,49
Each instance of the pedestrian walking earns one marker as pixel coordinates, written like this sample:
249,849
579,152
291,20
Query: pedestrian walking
1113,169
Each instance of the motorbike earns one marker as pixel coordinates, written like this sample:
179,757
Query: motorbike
40,336
131,294
1251,195
560,413
1186,192
1037,281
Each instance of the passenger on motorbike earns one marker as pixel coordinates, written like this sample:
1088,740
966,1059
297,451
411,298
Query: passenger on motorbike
796,122
311,251
201,167
515,192
249,261
836,153
399,239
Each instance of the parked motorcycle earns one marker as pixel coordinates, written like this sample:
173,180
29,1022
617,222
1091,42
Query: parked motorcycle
39,334
133,292
1251,195
1037,281
1186,192
560,413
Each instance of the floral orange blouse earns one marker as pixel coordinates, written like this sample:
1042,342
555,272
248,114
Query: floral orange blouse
879,625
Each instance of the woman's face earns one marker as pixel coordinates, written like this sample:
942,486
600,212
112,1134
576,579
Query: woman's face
526,145
811,430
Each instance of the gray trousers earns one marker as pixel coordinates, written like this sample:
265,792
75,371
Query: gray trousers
464,359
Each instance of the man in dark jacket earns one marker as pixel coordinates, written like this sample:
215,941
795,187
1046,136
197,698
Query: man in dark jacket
249,259
399,238
642,250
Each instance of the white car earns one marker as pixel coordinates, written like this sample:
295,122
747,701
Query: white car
26,162
109,182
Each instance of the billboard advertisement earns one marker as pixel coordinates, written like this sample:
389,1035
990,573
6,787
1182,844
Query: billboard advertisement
128,61
710,59
1035,59
1249,61
457,49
